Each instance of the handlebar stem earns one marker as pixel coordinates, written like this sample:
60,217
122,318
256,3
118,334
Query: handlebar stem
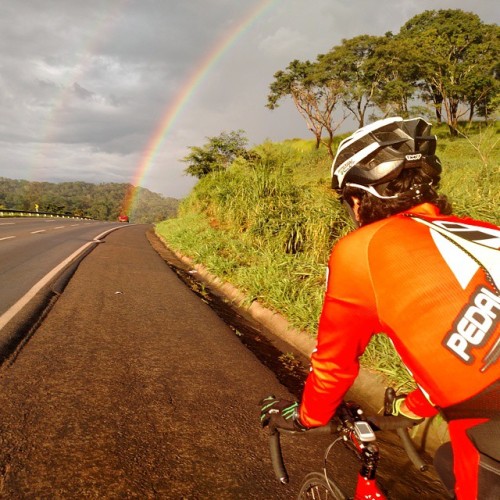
370,461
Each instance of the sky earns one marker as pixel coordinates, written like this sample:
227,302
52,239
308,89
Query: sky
119,90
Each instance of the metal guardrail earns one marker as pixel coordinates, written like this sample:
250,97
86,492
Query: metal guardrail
4,212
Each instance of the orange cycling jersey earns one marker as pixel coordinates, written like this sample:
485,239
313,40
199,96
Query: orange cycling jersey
431,283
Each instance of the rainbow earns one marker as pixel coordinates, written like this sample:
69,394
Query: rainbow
175,108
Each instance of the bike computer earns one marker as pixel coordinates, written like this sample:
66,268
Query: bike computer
363,431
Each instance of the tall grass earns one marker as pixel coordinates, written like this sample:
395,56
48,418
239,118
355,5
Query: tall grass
255,227
268,226
471,176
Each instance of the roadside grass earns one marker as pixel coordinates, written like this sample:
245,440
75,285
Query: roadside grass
268,226
471,175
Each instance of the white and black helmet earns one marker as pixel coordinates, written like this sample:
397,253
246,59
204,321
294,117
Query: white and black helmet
376,154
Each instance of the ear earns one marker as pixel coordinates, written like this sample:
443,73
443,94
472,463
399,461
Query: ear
355,208
352,205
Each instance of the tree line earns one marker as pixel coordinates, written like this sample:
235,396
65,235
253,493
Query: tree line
97,201
442,63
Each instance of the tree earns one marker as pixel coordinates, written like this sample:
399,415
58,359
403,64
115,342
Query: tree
314,94
393,60
482,89
456,55
217,154
101,201
352,64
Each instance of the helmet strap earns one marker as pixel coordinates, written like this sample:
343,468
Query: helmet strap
372,190
417,191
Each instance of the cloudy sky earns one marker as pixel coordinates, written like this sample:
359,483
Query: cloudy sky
117,90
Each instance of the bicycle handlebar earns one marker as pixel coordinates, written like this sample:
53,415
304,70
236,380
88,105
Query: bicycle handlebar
399,424
277,455
411,451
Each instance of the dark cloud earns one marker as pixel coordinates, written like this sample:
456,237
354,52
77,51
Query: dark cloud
82,93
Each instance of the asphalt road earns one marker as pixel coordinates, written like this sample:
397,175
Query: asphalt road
31,247
132,387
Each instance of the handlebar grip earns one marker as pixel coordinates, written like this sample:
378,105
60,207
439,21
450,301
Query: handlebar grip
277,457
411,450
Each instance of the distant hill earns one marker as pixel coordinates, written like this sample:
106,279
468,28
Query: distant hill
98,201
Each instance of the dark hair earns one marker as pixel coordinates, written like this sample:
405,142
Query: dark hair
415,187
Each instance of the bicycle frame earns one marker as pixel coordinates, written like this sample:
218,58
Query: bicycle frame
367,489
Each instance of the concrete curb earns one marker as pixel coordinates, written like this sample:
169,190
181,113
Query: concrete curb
271,320
371,385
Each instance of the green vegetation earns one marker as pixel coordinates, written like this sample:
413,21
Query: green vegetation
267,224
217,154
82,199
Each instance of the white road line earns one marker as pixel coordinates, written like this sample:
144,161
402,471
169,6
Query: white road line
7,223
59,227
10,313
7,238
39,231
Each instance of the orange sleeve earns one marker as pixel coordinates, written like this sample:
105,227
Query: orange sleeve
420,405
346,325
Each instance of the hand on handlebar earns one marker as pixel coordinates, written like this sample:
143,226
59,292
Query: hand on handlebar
280,414
396,405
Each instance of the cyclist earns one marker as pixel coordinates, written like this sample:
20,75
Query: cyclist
429,280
